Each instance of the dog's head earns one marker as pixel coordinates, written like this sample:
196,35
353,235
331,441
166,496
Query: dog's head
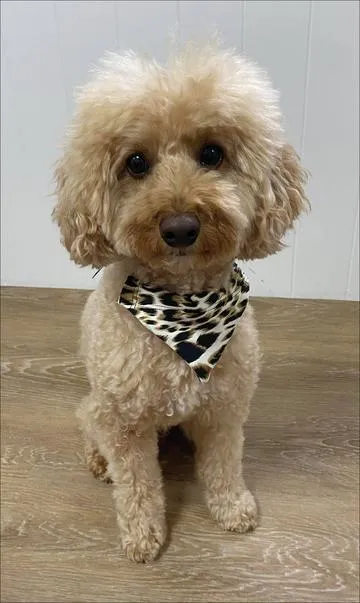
183,166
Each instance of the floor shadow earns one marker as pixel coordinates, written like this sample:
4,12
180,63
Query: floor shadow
176,456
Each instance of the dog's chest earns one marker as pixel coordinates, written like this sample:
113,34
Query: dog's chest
177,408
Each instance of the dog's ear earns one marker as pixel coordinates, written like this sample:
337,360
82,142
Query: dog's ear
279,201
82,176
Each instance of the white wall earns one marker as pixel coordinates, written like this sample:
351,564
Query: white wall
311,52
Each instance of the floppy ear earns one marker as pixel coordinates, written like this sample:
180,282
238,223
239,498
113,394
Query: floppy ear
280,200
82,176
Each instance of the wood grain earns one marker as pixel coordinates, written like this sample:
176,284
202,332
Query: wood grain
59,536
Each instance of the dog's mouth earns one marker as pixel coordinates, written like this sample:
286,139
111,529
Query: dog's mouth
180,252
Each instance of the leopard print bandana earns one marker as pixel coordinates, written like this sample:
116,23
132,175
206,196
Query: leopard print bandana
197,326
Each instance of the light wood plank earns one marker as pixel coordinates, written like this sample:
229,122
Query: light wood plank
59,536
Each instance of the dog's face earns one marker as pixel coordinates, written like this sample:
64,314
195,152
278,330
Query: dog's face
182,167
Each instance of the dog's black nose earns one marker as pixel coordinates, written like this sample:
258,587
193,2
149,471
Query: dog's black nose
180,230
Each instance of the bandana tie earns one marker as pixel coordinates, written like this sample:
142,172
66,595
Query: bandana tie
197,326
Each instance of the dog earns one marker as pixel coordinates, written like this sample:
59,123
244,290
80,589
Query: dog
168,175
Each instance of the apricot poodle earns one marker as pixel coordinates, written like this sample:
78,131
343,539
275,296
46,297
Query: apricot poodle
170,176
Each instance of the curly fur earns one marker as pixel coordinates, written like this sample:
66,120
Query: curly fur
108,218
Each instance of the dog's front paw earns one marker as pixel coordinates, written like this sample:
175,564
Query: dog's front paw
234,511
143,543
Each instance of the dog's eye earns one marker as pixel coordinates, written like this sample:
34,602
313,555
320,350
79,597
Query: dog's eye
137,165
211,156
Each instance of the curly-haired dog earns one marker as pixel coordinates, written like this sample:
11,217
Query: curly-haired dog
168,175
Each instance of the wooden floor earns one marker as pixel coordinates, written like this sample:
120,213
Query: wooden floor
59,536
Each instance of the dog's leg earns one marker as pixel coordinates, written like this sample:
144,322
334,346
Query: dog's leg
219,447
138,490
132,465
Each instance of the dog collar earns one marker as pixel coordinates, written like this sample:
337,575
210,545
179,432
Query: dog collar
197,326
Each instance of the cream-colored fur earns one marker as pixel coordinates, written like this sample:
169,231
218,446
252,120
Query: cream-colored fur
110,219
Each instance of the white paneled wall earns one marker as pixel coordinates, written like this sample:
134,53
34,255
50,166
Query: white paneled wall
310,49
